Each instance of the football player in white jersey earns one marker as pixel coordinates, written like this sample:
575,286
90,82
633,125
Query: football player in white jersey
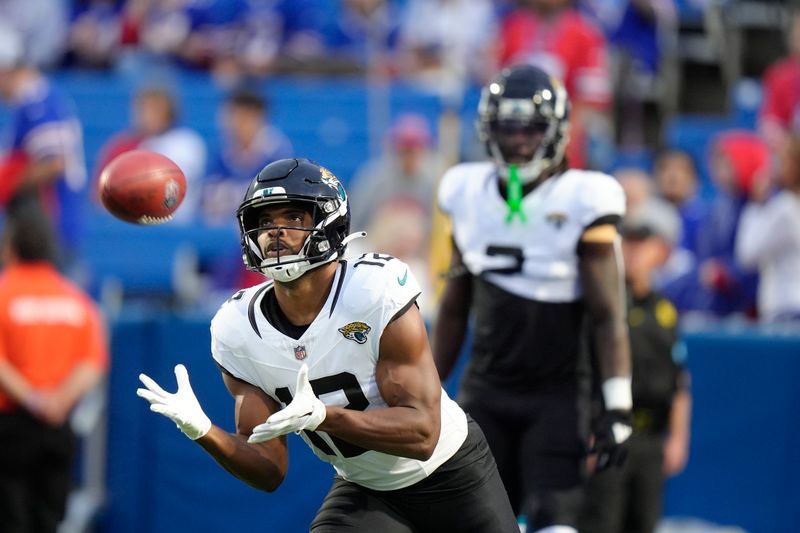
335,350
536,262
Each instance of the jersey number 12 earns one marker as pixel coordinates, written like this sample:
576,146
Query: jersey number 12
357,400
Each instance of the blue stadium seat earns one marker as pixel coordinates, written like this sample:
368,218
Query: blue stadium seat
136,258
151,261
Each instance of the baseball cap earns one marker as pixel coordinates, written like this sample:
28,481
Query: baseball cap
10,46
654,218
410,131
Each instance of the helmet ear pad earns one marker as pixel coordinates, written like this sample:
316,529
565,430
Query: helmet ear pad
340,228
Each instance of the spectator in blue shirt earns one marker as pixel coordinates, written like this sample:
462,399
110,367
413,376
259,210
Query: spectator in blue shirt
45,128
363,34
248,143
719,286
676,178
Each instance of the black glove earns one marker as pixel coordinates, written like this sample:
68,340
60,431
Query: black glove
611,430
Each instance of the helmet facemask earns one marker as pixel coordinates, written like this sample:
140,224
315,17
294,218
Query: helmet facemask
302,183
317,248
519,106
523,144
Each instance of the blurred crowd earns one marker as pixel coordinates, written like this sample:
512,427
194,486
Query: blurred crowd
734,243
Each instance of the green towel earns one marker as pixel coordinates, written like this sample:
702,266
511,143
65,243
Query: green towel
514,195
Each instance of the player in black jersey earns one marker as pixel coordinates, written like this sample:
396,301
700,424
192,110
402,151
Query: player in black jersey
536,262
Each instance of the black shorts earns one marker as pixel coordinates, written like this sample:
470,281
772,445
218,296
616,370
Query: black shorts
35,472
538,439
465,494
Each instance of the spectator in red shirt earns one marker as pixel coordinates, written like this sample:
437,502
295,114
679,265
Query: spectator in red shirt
780,107
555,36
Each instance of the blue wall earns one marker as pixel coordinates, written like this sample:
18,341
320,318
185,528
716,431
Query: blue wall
743,468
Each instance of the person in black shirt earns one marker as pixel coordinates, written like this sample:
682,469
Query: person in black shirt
628,499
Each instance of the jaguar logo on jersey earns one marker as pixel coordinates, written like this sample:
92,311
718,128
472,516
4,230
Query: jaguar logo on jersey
300,352
355,331
557,219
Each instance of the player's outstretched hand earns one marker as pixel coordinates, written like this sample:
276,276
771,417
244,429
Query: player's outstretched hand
612,430
305,411
181,407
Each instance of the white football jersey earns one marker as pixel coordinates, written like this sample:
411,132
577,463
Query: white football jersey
536,258
341,349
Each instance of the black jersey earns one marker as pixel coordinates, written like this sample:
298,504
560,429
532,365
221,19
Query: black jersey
519,344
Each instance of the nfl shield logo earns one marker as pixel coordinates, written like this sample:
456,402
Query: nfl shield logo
300,352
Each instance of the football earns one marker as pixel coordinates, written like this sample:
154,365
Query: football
142,187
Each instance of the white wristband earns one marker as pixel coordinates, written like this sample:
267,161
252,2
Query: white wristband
617,393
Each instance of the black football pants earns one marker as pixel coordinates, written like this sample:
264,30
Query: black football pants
464,494
35,473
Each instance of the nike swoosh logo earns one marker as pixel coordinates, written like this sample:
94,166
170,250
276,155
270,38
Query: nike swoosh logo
402,281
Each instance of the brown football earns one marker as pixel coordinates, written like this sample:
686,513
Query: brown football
142,187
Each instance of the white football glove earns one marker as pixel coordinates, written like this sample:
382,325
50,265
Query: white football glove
305,411
181,407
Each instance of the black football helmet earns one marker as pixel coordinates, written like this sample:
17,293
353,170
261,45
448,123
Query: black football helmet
523,119
302,182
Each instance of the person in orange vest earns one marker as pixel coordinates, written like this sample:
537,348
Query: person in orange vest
53,350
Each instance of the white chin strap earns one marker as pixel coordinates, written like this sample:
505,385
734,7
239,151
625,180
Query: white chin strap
292,267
